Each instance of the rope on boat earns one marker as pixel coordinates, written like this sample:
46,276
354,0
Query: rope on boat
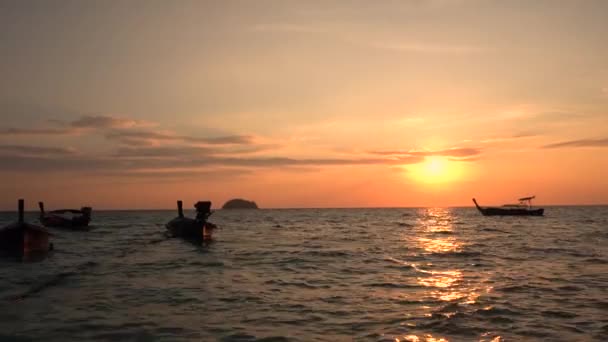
77,270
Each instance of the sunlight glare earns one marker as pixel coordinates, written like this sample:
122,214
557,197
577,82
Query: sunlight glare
436,170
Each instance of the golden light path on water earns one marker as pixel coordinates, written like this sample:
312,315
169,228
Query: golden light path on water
435,234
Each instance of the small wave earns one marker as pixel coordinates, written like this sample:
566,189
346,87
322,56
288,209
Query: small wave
494,311
534,333
443,232
331,254
602,305
274,339
395,285
300,284
516,288
400,263
452,325
571,288
238,337
206,264
55,280
558,314
493,230
404,224
596,261
461,254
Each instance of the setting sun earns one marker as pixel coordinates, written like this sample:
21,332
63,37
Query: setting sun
436,170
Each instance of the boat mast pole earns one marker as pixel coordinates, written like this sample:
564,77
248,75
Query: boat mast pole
21,206
180,210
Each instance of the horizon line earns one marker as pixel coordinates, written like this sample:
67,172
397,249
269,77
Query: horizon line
318,208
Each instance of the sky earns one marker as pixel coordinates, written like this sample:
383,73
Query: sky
135,104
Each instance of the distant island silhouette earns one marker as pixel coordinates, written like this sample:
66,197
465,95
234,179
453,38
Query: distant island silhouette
239,203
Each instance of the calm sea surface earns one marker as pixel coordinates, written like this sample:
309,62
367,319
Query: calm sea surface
318,275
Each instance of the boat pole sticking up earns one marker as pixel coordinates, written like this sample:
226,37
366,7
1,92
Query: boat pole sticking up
180,210
21,209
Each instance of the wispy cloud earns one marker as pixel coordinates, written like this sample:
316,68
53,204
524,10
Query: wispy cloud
126,131
450,152
26,150
175,151
129,162
36,131
295,28
84,123
465,159
512,137
375,42
102,121
579,143
164,174
163,151
426,47
137,136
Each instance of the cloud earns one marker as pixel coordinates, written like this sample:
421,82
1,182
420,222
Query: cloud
25,150
373,42
163,151
451,152
187,151
464,159
101,121
130,136
36,131
426,47
579,143
216,173
84,163
288,28
86,122
226,140
508,138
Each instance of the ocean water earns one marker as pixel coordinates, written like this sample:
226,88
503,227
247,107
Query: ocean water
435,274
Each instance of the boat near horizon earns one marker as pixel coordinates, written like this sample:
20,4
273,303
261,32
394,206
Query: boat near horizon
523,208
197,229
66,218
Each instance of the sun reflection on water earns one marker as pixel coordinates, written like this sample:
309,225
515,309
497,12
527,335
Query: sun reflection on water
435,244
440,245
425,338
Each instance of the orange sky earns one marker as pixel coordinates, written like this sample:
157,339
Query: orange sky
303,104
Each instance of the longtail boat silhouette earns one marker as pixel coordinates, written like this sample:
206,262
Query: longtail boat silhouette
198,229
23,239
523,208
66,218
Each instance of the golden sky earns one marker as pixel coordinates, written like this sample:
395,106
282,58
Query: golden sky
134,104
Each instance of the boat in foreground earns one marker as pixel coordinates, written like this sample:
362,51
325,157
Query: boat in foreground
24,239
523,208
66,218
197,229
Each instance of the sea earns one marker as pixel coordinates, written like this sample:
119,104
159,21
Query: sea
399,274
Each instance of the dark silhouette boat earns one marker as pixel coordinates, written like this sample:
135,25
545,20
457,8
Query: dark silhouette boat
523,208
66,218
197,229
24,239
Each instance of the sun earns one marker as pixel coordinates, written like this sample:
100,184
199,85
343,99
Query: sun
435,170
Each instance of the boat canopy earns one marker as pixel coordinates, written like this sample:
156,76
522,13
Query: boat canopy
65,211
527,198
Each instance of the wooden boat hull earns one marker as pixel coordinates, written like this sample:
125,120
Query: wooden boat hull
493,211
24,239
511,212
188,228
78,222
